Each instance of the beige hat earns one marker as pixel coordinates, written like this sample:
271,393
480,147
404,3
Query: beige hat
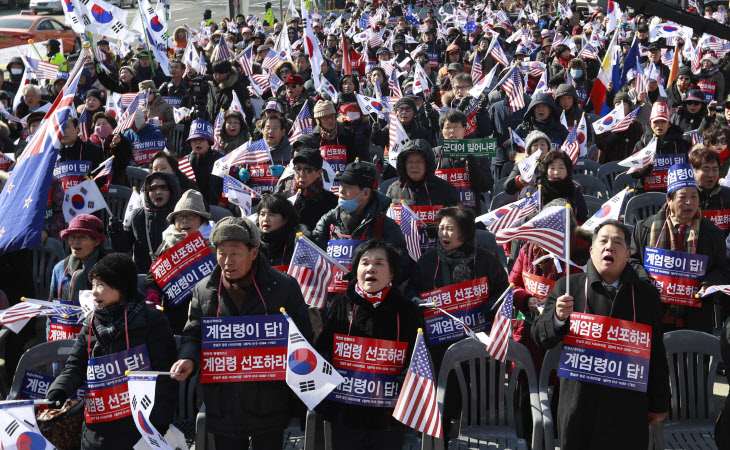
323,108
190,201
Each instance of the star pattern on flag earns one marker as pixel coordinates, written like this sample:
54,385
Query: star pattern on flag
28,201
10,187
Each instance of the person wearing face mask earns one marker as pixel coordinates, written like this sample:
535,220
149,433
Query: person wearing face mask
542,114
126,83
714,198
555,174
15,70
189,216
143,232
583,85
202,158
278,221
112,145
692,113
614,146
715,138
372,307
679,226
313,201
142,133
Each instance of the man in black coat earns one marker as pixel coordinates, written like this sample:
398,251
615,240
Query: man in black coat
313,200
227,81
242,284
594,416
74,149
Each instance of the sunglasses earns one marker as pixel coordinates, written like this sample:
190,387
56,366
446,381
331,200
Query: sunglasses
722,141
693,103
306,170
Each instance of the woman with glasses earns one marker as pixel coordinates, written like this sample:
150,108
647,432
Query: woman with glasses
715,138
714,198
691,114
190,216
143,232
283,70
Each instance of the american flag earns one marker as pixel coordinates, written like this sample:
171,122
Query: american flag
11,118
515,92
417,406
127,99
83,125
221,51
203,65
262,80
230,183
499,337
272,59
217,127
106,170
642,83
19,312
720,15
476,70
588,52
667,58
253,153
303,124
409,227
498,54
571,146
625,123
513,212
695,136
557,41
245,61
546,230
127,119
312,271
376,39
184,165
43,70
395,92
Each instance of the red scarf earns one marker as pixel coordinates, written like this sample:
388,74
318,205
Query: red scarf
291,100
564,62
724,154
374,299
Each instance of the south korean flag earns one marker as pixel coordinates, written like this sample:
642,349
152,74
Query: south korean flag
307,373
142,393
18,428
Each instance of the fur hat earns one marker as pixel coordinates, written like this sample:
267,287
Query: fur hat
148,84
236,229
118,271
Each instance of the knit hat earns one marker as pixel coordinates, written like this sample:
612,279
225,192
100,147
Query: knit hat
129,68
85,224
222,66
456,66
294,79
535,136
694,95
97,94
621,97
709,57
659,111
310,156
201,129
405,101
147,84
119,272
323,108
685,70
235,229
191,201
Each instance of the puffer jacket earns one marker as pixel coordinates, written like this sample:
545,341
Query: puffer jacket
432,190
550,126
143,234
687,121
716,199
149,328
713,75
238,410
344,138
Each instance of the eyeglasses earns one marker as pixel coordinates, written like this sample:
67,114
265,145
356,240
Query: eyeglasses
291,86
404,109
693,103
722,141
461,88
159,187
185,217
306,170
454,128
78,238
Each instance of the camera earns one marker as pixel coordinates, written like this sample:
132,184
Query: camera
199,90
719,108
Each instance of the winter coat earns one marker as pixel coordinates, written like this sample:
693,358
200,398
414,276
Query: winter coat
292,111
61,276
479,171
149,328
380,135
278,246
360,132
590,414
312,209
717,271
395,319
344,138
281,152
432,190
241,409
116,85
618,146
23,110
502,120
211,186
687,121
645,113
222,95
713,75
143,234
82,151
160,108
550,126
148,132
228,143
716,199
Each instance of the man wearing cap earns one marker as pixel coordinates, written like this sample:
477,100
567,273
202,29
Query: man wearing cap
710,81
680,227
54,54
143,68
226,82
405,111
361,213
590,414
294,97
655,56
202,158
242,284
692,113
313,200
433,48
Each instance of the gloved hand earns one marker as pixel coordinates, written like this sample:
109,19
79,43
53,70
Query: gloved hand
276,170
244,175
58,397
115,226
483,103
472,163
463,104
427,107
377,128
153,298
643,172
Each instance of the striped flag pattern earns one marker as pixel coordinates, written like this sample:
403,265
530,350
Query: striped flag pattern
255,153
127,99
695,136
515,92
571,146
43,70
83,127
262,80
184,165
221,51
409,227
127,119
417,406
502,328
546,230
498,54
106,168
515,211
217,127
271,60
476,70
312,271
303,124
19,312
625,123
395,92
245,61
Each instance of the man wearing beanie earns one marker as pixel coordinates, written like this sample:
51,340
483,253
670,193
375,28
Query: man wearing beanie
121,329
293,97
227,81
314,201
335,138
242,284
405,111
614,146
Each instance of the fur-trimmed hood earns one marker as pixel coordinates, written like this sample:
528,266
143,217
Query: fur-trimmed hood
230,80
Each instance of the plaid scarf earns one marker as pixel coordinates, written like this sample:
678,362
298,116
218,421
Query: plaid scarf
662,237
109,322
311,192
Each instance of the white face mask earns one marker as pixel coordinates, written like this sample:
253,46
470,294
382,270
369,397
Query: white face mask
353,116
16,71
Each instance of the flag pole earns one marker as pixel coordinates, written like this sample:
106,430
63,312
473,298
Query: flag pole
143,373
568,212
321,252
403,205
